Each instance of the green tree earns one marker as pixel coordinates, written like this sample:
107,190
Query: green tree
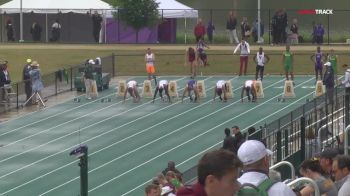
137,13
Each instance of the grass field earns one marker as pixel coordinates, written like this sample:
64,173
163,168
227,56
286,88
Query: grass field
169,58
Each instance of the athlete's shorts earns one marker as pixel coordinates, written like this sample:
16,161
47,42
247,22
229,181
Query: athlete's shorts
288,68
318,66
150,68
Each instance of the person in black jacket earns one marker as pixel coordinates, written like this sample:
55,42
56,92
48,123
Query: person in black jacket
96,26
231,24
238,139
26,78
10,31
228,141
36,31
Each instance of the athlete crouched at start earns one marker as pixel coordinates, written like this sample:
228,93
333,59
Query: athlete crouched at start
162,85
132,90
191,86
249,88
220,89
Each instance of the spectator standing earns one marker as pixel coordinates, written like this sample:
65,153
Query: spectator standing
210,31
217,175
284,24
319,33
56,31
328,81
199,30
294,30
341,172
96,26
37,82
231,24
228,143
26,78
244,49
36,30
89,79
10,31
333,59
255,158
171,167
245,28
346,81
5,80
255,31
238,138
314,32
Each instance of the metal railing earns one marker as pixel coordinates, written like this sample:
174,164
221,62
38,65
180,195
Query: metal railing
306,180
55,83
292,169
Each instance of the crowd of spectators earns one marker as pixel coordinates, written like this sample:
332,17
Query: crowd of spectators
243,162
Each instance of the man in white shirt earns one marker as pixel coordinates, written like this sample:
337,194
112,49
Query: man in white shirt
132,90
162,85
255,158
244,48
220,88
249,89
260,59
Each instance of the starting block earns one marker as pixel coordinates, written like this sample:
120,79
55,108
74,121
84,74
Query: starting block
201,88
229,92
147,91
121,88
172,88
259,89
76,100
288,91
319,89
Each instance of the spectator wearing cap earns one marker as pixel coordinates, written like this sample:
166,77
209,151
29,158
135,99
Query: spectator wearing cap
328,81
341,172
26,78
326,160
89,79
238,139
217,175
228,141
255,158
312,169
36,80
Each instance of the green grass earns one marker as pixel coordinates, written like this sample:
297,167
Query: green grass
168,62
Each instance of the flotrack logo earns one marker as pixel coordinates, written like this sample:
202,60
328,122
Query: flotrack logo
316,12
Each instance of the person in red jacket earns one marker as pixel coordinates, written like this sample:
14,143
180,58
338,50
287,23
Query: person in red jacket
217,175
199,30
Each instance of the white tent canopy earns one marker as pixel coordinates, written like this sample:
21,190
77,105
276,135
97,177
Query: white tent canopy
167,8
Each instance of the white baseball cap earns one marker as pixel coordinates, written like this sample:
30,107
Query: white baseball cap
252,151
328,64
